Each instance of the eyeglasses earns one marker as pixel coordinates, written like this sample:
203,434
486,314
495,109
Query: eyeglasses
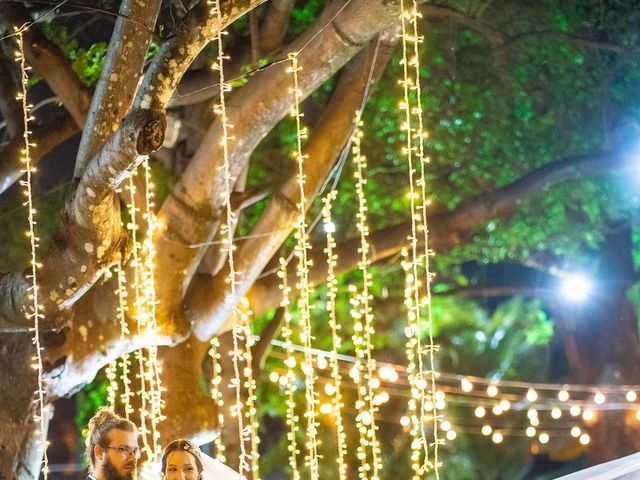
127,451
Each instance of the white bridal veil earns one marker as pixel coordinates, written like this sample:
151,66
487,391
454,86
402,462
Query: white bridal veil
626,468
215,470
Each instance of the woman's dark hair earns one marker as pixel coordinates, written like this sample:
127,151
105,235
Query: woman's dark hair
182,445
99,427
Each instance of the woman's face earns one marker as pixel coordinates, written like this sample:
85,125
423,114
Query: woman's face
181,465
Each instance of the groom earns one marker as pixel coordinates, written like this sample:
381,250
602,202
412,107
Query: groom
112,447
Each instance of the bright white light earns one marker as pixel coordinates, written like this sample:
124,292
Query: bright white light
330,389
451,435
445,426
556,413
480,412
543,438
274,376
631,396
530,432
599,398
575,431
486,430
492,390
388,373
330,227
497,410
497,437
532,395
322,362
576,287
325,408
466,385
404,421
587,415
574,410
585,439
563,395
505,405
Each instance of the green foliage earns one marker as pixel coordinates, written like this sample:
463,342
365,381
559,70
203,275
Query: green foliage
89,400
87,63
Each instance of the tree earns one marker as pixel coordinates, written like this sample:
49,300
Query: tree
495,99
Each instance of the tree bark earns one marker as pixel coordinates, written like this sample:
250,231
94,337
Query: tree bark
603,347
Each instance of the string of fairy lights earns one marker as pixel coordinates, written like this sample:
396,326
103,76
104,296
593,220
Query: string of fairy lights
335,390
290,376
423,404
301,249
363,329
501,408
248,462
35,310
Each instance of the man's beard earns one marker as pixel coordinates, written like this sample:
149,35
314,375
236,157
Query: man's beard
110,472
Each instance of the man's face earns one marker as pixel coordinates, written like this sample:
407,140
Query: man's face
118,460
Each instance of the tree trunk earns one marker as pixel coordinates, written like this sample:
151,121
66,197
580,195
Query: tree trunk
602,345
20,445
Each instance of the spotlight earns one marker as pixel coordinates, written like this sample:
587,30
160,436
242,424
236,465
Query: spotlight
576,287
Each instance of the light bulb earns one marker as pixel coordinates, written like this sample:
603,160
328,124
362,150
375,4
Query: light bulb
466,385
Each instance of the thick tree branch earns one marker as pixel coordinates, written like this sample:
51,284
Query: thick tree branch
447,229
274,25
46,137
118,82
10,108
189,412
202,84
49,62
205,301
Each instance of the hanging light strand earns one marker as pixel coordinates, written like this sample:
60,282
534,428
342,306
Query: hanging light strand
138,313
216,395
153,369
363,326
290,363
336,341
238,353
121,292
301,249
420,136
250,386
420,457
35,312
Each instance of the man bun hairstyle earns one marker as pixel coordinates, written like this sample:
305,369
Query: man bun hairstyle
99,427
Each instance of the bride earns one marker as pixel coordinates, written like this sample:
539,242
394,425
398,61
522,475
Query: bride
182,460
